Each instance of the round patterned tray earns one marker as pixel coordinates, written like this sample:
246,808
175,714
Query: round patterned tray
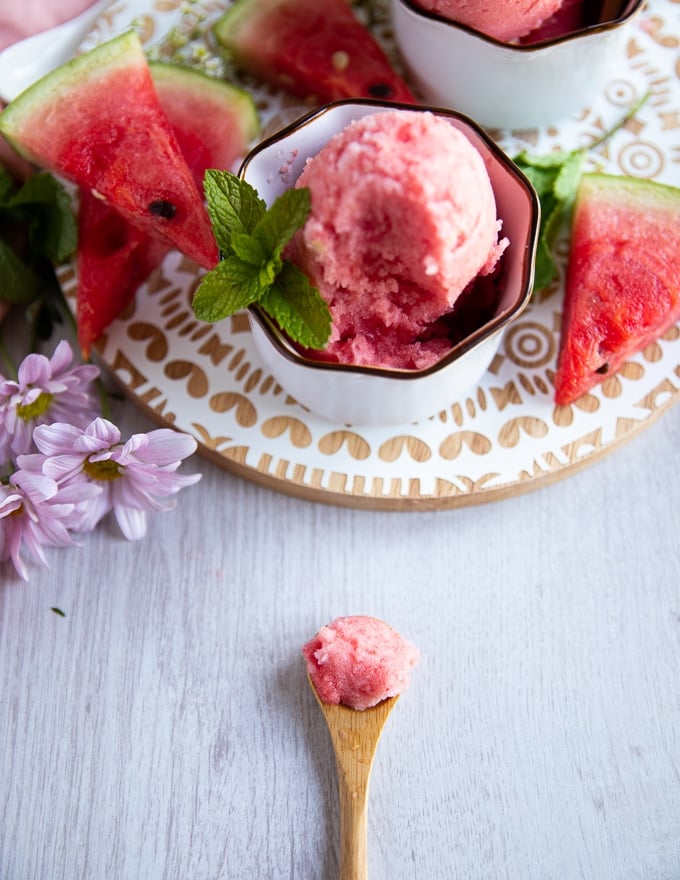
506,436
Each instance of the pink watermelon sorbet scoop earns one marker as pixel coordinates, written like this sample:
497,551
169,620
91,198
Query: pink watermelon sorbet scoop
359,661
504,21
403,219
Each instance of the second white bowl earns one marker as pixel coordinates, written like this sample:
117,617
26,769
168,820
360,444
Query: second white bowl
506,85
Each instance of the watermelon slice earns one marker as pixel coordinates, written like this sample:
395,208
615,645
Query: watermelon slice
213,122
623,278
114,259
318,50
97,121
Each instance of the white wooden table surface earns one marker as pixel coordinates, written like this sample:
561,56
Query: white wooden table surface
163,727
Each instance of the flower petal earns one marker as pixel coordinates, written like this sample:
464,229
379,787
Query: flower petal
132,521
56,438
166,446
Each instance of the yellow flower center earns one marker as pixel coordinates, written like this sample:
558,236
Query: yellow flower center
103,470
31,411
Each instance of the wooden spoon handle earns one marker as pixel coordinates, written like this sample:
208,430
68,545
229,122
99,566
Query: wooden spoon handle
353,781
355,738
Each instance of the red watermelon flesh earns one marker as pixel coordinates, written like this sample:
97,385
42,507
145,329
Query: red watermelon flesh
97,121
213,120
213,123
114,259
623,278
314,49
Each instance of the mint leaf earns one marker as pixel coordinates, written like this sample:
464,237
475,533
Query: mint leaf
44,206
556,177
545,268
298,307
568,177
7,185
288,214
248,248
20,284
232,285
252,239
550,161
37,229
234,207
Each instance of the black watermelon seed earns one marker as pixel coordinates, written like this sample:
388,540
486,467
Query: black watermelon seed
381,90
603,369
162,208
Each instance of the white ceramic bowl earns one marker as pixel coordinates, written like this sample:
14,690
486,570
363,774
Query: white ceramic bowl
504,85
369,395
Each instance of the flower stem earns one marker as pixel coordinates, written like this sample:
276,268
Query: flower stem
624,119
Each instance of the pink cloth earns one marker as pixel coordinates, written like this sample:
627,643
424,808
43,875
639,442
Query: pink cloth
22,19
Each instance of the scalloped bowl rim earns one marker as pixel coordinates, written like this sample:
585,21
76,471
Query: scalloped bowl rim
478,336
632,9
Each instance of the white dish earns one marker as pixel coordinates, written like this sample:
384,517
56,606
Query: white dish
502,85
365,395
505,437
23,63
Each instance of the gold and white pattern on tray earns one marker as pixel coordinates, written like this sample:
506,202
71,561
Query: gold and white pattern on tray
506,436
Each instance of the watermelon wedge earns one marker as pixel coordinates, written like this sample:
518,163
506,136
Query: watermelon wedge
114,259
97,121
214,123
623,278
318,50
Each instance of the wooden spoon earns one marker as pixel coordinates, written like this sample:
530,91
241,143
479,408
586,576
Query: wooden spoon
355,734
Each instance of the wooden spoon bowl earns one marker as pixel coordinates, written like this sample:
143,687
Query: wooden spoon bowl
355,734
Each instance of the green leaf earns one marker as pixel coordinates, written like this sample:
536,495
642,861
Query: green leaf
542,179
549,160
545,270
287,214
252,239
234,207
19,283
44,206
556,178
232,285
569,177
248,249
7,185
298,308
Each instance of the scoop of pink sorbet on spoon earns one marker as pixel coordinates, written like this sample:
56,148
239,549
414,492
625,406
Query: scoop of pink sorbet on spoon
357,667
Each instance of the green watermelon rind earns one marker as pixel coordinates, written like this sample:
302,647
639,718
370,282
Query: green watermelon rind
120,51
215,111
224,96
97,121
629,191
351,65
230,26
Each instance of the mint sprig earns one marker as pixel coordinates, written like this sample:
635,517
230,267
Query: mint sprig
37,229
556,178
252,239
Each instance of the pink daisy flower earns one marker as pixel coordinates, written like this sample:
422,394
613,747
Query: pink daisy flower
46,390
135,477
35,512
